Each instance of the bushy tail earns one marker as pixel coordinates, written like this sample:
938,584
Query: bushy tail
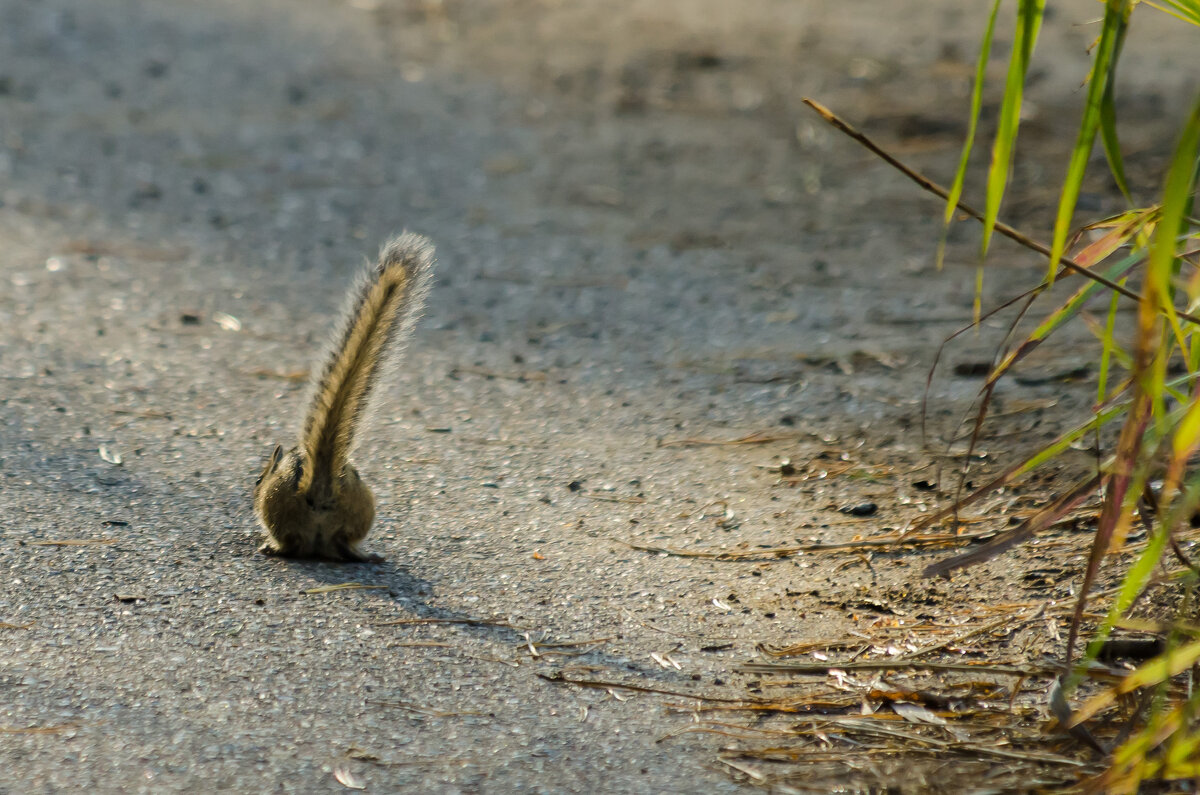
385,307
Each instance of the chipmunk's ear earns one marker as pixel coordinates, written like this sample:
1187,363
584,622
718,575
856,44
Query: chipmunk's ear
272,463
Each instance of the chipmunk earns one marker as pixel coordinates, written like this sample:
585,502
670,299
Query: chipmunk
310,500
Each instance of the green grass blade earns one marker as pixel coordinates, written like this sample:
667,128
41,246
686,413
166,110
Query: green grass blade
1148,417
1116,12
1152,672
1029,21
1139,574
1162,263
1071,308
1125,487
1108,348
960,176
1176,205
1187,10
1099,419
1066,311
1108,118
1059,445
1188,432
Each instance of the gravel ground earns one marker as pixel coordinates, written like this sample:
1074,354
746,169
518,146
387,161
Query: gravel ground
643,238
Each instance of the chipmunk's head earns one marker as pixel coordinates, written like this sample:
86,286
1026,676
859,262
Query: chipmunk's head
269,469
277,500
280,468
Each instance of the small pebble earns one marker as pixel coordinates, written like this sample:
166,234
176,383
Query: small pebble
862,509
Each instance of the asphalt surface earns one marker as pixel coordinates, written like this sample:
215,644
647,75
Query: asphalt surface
625,263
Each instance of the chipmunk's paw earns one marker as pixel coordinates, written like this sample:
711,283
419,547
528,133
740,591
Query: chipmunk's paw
351,554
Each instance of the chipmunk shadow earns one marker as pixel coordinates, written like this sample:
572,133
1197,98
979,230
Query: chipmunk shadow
542,648
383,575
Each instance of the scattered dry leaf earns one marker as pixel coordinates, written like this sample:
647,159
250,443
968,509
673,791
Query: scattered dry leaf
347,779
227,322
345,586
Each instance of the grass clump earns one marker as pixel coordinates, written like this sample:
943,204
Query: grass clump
1148,395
